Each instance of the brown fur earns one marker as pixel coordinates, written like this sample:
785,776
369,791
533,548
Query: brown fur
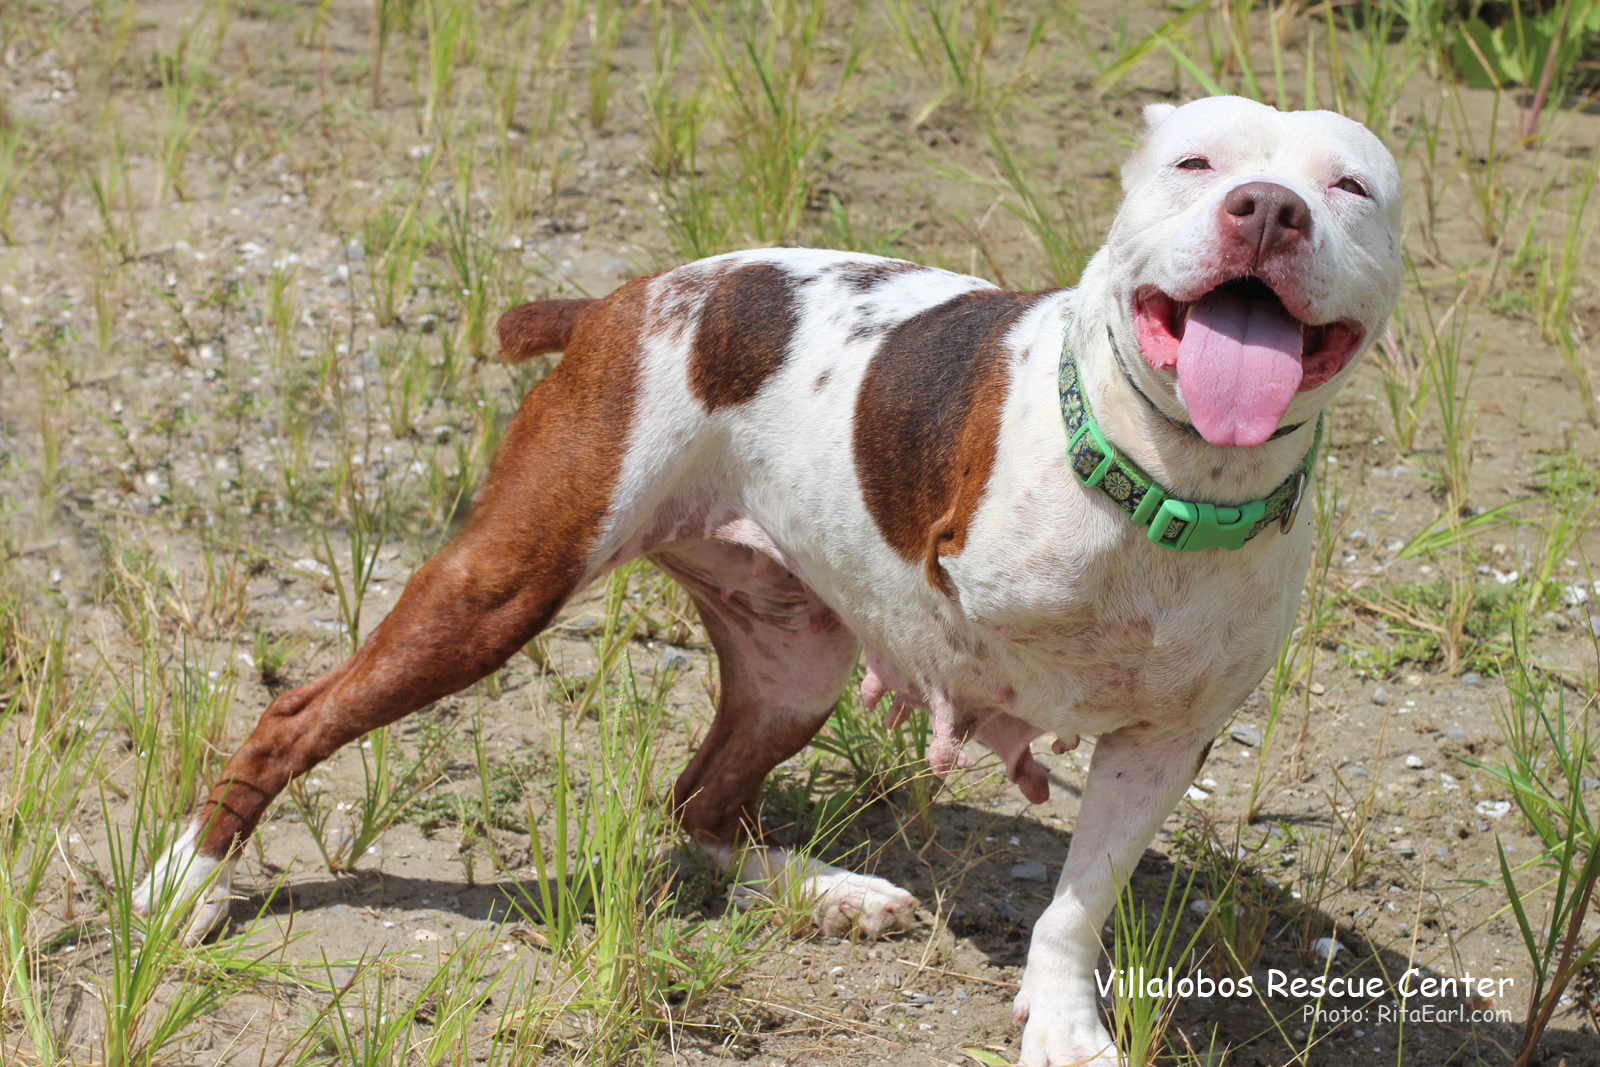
743,335
927,419
523,551
540,327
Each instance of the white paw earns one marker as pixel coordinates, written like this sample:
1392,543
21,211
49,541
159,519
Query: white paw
181,876
848,903
1061,1034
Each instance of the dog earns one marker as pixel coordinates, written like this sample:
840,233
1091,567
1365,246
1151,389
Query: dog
1069,512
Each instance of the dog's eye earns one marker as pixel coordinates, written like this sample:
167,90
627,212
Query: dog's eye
1350,185
1195,163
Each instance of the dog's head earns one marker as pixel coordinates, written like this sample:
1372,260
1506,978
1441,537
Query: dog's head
1255,256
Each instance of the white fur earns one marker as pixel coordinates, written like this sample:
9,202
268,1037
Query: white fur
182,875
840,901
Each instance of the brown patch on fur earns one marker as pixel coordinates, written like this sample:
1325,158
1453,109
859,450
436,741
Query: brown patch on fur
865,277
926,422
499,581
743,335
540,327
1200,760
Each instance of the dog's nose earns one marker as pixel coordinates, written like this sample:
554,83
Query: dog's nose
1267,217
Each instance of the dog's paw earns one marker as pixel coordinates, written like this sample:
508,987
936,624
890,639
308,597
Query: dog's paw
849,903
1053,1039
182,874
1061,1031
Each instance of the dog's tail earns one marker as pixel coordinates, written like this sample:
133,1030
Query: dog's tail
539,327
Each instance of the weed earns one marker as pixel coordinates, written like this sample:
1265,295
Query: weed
392,240
1549,749
1423,624
1143,945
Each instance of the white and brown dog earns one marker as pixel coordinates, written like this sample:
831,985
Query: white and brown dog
836,452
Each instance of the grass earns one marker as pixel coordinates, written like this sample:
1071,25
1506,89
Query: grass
218,464
1549,747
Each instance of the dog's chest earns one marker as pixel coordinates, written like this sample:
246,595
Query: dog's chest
1088,618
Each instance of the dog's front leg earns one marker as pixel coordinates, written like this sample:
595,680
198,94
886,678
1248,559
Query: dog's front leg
1134,782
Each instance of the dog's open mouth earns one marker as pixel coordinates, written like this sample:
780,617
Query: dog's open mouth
1240,355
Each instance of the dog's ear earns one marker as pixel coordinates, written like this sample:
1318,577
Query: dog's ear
1156,114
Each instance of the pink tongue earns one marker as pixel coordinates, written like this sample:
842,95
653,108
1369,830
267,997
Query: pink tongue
1239,367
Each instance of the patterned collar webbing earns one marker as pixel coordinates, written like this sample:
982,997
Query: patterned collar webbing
1172,523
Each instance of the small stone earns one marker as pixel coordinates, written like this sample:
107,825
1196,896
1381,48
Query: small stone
1495,809
918,1000
1414,762
674,658
1317,689
1005,907
1358,772
1327,948
1246,734
1456,733
1356,538
1472,678
425,935
1589,785
1031,871
1196,794
1380,695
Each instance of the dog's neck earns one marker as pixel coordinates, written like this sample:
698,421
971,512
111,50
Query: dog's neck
1162,444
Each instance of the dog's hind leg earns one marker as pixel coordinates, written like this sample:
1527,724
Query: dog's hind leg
530,542
784,660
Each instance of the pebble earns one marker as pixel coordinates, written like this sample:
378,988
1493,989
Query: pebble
1031,871
1358,772
674,657
425,935
1197,794
1472,678
1495,809
1327,948
1380,695
1246,734
1414,762
1456,733
1317,689
1589,785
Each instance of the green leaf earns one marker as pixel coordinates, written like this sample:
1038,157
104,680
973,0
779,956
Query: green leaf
987,1057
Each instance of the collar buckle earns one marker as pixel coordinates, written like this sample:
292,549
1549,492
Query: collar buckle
1190,527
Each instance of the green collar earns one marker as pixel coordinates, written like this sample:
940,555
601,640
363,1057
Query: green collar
1175,524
